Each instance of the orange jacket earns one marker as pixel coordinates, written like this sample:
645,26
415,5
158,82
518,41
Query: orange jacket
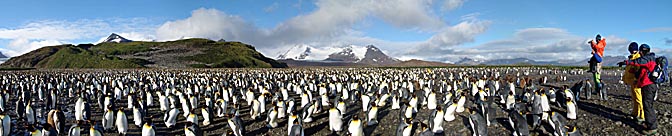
599,46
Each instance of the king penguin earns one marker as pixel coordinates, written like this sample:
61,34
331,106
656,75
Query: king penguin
170,117
192,129
425,130
95,132
366,101
282,107
6,124
571,109
30,114
372,116
271,117
236,124
193,117
477,123
138,114
335,120
206,112
255,109
307,112
545,107
436,122
355,128
341,106
460,103
148,128
405,127
510,100
48,130
296,129
395,102
431,101
108,119
573,131
449,114
518,123
122,122
557,122
75,129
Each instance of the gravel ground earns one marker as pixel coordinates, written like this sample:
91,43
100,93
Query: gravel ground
595,117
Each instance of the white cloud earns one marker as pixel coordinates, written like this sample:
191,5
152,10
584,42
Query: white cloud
272,7
657,29
331,23
34,35
22,45
208,23
541,44
452,4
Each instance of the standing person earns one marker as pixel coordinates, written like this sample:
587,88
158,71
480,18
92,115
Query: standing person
630,78
595,62
646,63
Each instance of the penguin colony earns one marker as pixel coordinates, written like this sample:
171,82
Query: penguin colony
224,101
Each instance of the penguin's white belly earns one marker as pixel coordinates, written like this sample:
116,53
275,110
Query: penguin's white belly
450,113
431,102
460,105
335,122
571,111
395,103
373,116
355,129
438,122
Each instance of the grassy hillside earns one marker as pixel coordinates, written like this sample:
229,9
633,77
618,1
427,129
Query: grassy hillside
76,57
188,53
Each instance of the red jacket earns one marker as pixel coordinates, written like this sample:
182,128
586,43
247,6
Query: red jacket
646,63
598,46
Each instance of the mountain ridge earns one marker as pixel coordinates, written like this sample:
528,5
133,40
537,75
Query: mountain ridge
187,53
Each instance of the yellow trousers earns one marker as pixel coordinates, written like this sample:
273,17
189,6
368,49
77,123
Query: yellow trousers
638,107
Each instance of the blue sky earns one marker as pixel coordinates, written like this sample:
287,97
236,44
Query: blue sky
441,30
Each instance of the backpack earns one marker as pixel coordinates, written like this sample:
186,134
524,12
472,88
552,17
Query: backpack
659,73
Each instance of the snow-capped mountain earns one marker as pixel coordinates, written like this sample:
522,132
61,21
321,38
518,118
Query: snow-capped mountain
376,56
468,61
115,38
3,58
345,55
351,53
307,52
2,55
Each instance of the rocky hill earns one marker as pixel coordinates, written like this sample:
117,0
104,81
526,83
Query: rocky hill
376,57
187,53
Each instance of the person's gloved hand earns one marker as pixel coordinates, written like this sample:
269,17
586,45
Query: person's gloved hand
620,64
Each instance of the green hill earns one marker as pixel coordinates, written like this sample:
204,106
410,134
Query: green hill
188,53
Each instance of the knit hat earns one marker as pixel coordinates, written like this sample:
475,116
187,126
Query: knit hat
644,48
633,47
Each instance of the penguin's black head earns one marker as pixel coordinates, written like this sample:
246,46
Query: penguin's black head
188,124
229,133
46,126
423,126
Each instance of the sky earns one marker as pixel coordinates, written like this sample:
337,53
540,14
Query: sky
436,30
